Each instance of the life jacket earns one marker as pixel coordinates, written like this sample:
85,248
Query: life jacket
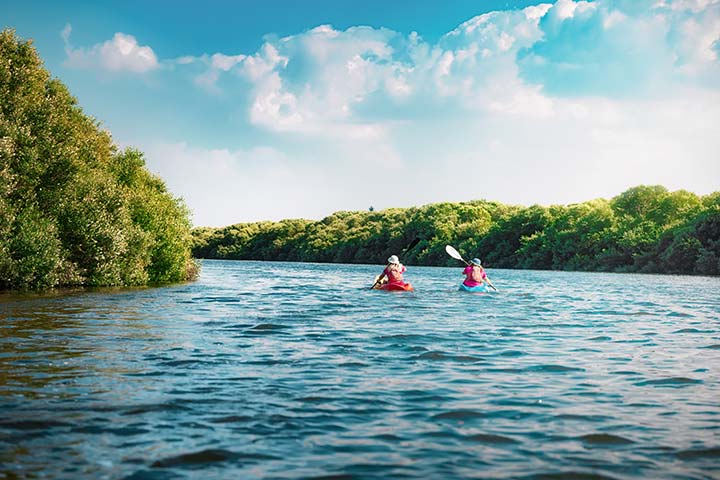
394,273
477,274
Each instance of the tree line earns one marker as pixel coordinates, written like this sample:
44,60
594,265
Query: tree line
74,209
645,229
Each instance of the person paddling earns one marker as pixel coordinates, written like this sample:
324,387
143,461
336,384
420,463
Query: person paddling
394,274
475,274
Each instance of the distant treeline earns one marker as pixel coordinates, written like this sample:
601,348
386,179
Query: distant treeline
645,229
73,209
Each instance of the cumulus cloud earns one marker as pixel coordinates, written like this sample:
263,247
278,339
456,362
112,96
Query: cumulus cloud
557,97
310,83
214,65
121,53
697,39
620,48
516,62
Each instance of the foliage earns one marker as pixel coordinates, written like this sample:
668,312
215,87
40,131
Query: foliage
645,229
73,209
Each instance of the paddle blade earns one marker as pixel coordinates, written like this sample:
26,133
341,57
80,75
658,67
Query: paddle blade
453,253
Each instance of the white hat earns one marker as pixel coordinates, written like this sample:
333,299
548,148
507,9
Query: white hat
393,259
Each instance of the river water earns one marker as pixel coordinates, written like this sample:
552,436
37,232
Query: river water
271,370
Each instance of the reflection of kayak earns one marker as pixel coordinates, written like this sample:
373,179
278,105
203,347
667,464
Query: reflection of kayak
480,288
404,287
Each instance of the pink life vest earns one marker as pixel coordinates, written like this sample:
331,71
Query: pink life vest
474,276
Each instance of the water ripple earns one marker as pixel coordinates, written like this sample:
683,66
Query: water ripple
278,370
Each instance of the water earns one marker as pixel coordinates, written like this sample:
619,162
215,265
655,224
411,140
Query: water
269,370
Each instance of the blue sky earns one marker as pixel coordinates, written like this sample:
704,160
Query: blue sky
279,109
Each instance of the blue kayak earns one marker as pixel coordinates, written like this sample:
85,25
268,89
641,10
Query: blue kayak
479,288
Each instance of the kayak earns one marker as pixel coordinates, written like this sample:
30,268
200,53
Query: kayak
480,288
399,287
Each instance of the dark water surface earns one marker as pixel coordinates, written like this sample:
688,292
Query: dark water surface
269,370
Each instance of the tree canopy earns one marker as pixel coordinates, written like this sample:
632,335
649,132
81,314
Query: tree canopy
74,209
645,229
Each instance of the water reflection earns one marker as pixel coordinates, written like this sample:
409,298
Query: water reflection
49,342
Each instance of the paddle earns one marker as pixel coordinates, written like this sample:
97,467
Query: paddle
410,247
456,255
377,280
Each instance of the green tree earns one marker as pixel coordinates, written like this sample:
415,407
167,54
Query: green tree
74,210
643,229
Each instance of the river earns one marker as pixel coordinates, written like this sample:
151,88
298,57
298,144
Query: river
289,370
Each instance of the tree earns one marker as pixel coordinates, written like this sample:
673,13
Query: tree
75,210
643,229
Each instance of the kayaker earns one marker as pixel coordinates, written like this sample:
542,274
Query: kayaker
393,272
475,274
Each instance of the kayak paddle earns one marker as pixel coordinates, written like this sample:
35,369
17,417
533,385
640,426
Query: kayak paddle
410,247
455,254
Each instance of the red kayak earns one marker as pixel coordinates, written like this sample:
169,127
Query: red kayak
404,287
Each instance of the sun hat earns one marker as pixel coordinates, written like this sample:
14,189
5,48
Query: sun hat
476,261
393,259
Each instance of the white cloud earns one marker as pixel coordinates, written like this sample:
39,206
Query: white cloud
613,18
326,81
332,72
275,108
185,60
328,77
698,39
687,5
217,63
226,62
121,53
535,12
263,63
564,9
569,100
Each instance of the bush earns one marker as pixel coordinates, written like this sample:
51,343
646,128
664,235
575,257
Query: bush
73,209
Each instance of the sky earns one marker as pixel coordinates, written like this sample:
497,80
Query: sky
286,109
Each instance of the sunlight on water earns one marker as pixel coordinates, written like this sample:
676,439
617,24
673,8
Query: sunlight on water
299,370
